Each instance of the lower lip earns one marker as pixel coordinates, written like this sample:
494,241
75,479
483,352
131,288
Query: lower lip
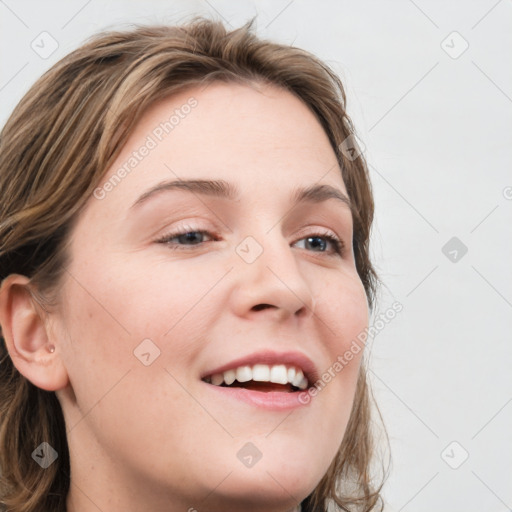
270,400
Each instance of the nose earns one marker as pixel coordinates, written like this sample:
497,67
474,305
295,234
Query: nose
272,284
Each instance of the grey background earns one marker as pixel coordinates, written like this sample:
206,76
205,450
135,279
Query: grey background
437,131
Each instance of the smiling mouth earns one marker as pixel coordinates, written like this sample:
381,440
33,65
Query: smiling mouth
264,387
261,377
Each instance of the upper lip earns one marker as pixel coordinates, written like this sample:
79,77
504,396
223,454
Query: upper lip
271,357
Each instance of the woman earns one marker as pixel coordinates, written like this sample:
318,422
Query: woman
184,260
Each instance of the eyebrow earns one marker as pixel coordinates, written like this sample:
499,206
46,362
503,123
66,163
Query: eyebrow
225,190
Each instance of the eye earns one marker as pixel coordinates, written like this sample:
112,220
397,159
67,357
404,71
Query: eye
190,237
317,240
187,236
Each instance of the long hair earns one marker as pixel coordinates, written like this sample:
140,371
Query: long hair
55,148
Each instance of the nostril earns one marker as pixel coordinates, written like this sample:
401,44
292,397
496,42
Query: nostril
261,306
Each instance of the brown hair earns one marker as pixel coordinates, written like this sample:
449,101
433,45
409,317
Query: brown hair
55,148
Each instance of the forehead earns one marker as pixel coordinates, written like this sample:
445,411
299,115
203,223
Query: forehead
261,138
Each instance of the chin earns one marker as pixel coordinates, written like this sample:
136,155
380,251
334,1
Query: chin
260,490
279,475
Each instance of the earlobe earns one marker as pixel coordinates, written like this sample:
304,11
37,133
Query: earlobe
26,335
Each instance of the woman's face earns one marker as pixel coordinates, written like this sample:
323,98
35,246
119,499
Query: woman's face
151,317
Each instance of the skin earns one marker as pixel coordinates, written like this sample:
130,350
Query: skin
155,437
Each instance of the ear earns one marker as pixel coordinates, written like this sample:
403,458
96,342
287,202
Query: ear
24,328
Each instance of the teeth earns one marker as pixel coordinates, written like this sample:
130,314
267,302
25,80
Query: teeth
261,373
244,374
217,379
229,377
303,383
298,378
278,374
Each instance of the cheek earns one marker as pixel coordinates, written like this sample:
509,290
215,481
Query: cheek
137,297
343,307
108,316
112,311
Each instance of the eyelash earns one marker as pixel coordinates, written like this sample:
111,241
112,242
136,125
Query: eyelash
338,244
